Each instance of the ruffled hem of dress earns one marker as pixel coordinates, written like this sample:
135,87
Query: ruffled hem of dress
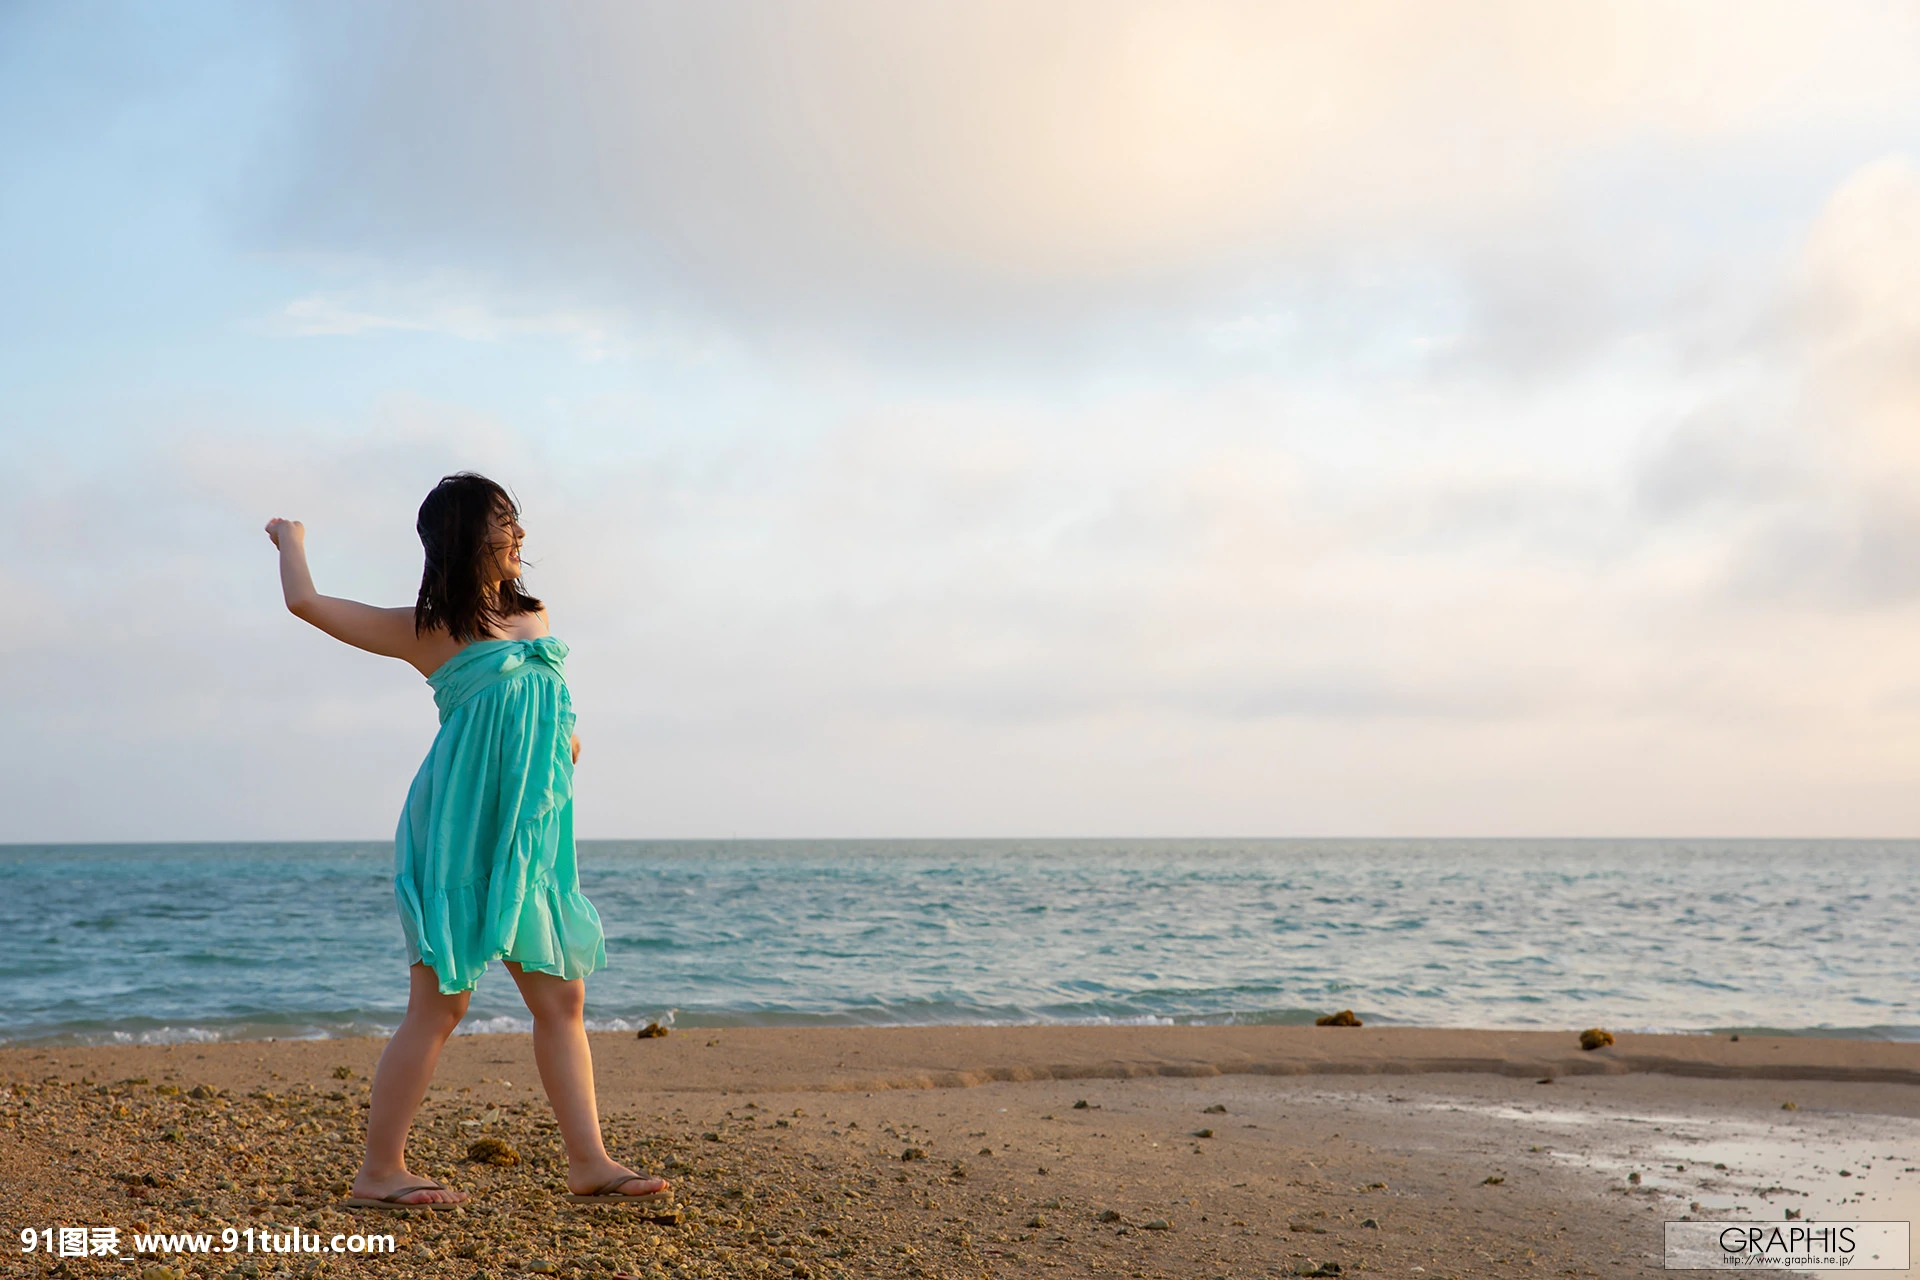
546,931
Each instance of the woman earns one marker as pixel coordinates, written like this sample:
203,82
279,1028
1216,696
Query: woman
484,858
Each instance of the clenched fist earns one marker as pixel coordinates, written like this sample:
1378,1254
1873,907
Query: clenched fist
278,528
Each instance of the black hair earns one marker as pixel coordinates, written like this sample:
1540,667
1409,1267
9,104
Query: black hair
456,526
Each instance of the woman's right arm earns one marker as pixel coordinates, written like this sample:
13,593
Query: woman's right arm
388,632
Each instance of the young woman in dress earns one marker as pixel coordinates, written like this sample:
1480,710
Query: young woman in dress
484,858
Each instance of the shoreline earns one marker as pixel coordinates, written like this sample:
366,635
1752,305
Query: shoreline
859,1059
190,1034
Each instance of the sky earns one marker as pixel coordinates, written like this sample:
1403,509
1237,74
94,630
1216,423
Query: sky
1084,419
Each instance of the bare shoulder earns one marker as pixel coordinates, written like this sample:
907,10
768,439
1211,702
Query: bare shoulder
432,648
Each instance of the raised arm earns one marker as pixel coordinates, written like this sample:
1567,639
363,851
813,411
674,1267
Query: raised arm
388,632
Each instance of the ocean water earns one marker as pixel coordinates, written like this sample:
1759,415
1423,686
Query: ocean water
176,942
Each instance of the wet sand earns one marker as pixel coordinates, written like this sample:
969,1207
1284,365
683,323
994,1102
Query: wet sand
1199,1151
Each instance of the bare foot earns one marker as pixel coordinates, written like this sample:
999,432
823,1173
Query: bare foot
427,1191
585,1182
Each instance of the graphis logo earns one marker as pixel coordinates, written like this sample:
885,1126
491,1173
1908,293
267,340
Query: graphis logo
1798,1239
1747,1246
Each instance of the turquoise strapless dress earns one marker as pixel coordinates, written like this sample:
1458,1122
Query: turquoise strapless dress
484,863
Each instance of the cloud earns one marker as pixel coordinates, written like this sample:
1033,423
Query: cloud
1715,464
1812,470
470,314
1854,315
975,173
933,615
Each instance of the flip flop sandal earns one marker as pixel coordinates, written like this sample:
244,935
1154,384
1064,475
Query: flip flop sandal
608,1195
394,1202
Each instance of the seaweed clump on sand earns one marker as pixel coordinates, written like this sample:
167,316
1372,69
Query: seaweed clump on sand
493,1151
1595,1038
1344,1018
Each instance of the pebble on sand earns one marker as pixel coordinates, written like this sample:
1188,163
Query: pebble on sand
1215,1110
1595,1038
913,1153
1344,1018
1158,1224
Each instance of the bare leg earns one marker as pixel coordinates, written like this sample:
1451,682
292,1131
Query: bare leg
399,1084
566,1069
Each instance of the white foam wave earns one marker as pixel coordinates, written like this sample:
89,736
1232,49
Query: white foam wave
167,1035
499,1024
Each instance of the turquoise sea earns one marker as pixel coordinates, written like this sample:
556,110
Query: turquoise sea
173,942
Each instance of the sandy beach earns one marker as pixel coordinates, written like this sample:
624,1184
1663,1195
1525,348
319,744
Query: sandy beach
1006,1151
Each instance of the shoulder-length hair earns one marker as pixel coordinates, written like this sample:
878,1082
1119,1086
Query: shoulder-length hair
456,525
